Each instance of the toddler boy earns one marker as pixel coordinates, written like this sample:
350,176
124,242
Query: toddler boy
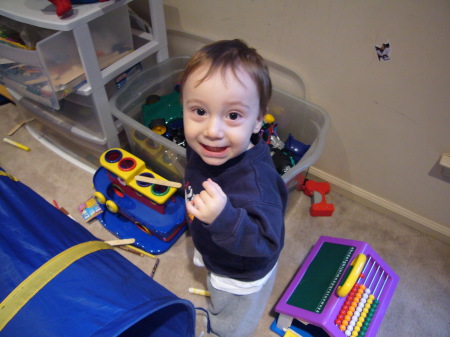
234,195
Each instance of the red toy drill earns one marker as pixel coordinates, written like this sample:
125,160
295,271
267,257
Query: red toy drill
64,7
317,191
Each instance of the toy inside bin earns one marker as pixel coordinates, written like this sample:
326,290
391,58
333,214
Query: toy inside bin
305,121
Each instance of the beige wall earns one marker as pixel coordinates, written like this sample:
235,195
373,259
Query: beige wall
390,119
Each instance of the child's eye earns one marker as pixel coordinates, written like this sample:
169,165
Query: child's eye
233,116
200,111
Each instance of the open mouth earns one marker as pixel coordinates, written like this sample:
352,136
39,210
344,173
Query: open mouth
215,149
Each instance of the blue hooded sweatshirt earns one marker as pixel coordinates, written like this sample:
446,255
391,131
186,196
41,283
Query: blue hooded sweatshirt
245,240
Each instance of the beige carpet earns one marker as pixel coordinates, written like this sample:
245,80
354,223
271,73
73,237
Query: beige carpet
421,303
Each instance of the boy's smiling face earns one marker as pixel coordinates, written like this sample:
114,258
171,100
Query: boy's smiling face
220,114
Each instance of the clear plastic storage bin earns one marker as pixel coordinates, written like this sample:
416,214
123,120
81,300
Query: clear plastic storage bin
306,122
54,69
74,129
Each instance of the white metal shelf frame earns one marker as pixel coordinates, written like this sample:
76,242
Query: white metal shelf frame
39,13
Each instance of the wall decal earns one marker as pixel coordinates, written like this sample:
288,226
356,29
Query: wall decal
383,52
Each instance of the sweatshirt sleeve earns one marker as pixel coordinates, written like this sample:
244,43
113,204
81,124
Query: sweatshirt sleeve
255,229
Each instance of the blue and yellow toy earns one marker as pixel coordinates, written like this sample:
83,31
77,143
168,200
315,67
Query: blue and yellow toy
137,202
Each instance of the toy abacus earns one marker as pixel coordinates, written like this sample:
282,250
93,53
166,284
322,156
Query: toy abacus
344,287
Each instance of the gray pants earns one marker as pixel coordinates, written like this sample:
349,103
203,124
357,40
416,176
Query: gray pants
237,315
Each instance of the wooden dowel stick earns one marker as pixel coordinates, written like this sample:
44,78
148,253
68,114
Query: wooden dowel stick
122,242
141,251
154,268
18,126
129,250
157,181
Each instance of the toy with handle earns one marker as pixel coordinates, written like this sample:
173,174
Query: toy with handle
63,7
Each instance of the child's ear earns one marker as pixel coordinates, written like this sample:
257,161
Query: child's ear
258,123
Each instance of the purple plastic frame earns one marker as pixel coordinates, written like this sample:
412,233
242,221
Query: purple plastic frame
326,318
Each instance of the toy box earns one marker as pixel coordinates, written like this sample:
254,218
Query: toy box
306,122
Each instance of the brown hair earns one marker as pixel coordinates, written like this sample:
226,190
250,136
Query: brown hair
232,54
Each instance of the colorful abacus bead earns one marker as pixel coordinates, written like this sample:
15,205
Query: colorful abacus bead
339,319
344,310
358,305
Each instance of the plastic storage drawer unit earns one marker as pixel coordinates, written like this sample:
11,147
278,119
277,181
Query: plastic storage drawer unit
306,122
54,68
74,129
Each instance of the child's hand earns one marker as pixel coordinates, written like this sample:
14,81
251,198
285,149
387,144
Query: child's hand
207,205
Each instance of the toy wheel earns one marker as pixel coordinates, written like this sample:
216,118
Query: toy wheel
111,206
143,228
284,169
99,197
152,99
269,119
160,130
158,126
178,138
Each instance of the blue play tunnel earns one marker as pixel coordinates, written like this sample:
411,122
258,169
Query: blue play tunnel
56,279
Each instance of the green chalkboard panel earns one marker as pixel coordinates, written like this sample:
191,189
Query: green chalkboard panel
321,277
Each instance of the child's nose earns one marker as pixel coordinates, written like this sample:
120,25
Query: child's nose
214,128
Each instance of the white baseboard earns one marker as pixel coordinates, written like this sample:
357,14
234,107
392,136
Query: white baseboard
405,216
